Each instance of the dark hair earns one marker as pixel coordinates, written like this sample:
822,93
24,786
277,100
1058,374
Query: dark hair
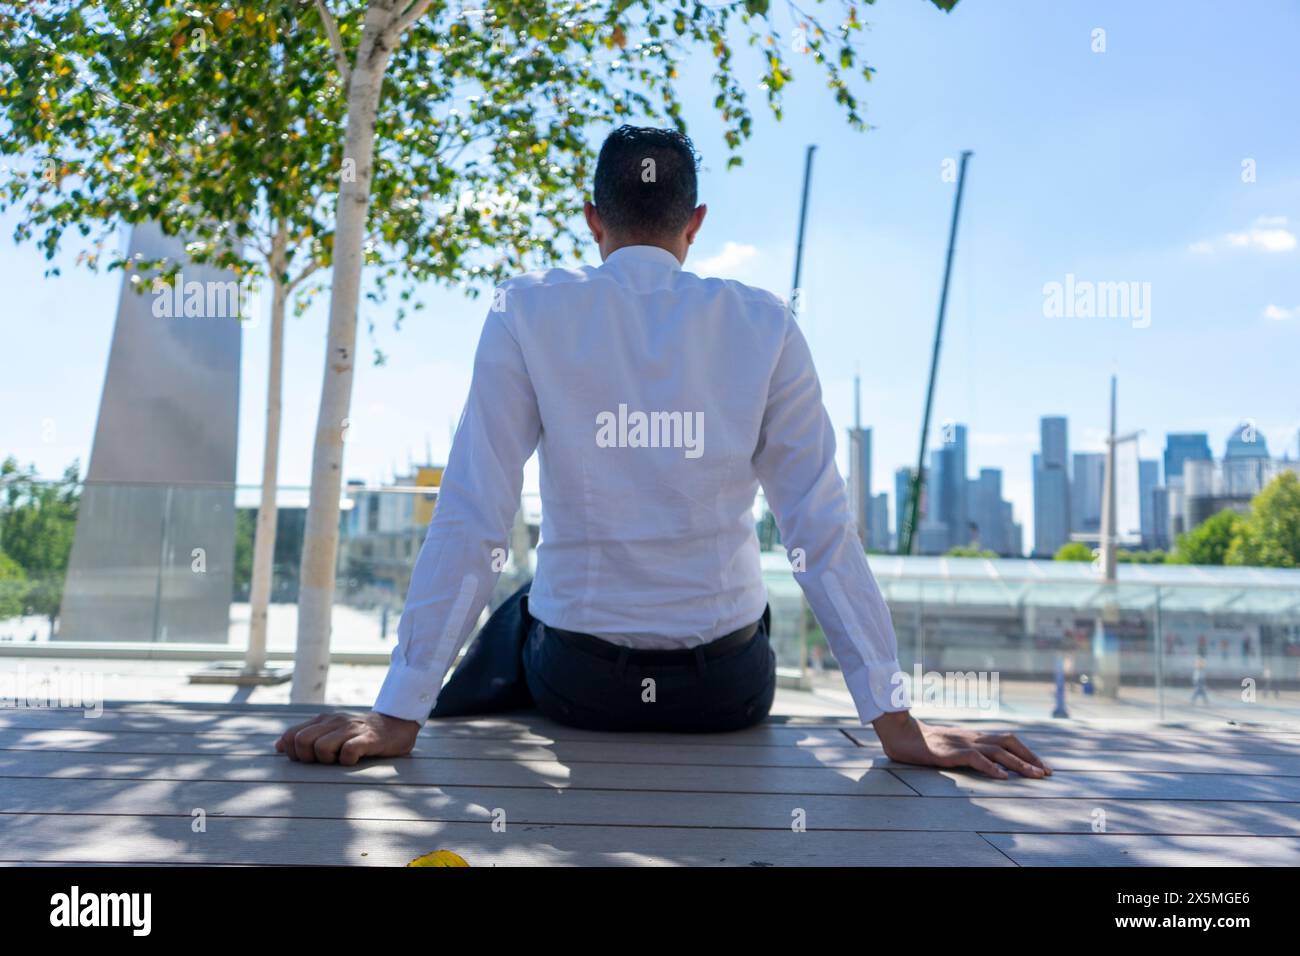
640,199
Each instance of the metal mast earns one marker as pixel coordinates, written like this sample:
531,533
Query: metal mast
803,220
1108,562
907,534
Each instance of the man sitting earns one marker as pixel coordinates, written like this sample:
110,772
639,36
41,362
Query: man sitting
659,401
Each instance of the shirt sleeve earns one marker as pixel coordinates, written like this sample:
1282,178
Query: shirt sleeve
795,462
464,550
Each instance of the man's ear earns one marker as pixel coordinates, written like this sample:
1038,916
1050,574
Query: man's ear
593,221
697,220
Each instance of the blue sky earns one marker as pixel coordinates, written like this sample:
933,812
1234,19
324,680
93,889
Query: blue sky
1122,166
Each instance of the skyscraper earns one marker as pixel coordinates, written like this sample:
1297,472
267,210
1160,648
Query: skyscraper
1245,461
1054,438
860,467
860,479
1012,532
1148,480
902,488
951,504
1181,446
1246,441
936,533
878,523
1086,491
1160,517
1052,487
987,513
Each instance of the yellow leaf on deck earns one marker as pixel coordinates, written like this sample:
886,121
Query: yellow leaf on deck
438,858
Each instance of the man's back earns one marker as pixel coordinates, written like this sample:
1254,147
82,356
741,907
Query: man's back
651,384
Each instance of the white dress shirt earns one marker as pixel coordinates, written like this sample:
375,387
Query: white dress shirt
658,401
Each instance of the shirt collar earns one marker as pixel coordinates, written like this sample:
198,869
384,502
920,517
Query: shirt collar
630,255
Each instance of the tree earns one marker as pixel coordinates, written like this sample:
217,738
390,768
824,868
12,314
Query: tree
969,551
1154,556
245,537
460,157
38,520
224,128
1269,536
13,587
212,123
1209,542
1074,551
578,58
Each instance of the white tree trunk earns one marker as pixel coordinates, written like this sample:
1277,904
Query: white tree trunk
321,536
264,542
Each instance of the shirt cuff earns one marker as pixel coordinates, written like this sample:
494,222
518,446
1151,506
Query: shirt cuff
407,693
878,687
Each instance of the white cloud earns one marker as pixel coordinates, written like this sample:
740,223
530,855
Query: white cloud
1279,313
1266,234
1273,240
733,259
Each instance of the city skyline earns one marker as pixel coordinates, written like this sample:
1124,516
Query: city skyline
1069,490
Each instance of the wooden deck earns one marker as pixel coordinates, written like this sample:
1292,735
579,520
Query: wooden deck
127,787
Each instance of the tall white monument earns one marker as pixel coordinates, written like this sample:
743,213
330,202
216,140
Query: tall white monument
153,556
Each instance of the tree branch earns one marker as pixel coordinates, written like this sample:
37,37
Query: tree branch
398,25
336,42
306,272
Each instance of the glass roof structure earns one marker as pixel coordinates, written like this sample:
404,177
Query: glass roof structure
1018,583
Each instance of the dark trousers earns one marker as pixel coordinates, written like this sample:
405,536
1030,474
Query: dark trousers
514,663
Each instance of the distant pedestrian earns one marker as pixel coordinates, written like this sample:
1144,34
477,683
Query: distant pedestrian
1198,681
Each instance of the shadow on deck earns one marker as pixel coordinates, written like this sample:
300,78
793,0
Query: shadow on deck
201,783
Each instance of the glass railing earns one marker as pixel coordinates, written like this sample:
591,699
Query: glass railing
1196,643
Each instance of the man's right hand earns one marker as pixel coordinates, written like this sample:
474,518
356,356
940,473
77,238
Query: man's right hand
346,738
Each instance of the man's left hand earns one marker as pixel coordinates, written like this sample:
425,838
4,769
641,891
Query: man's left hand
908,740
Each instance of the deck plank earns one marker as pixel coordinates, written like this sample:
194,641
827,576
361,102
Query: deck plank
1105,741
613,750
1107,737
451,804
1093,785
269,841
432,745
466,773
1185,761
531,728
1131,850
